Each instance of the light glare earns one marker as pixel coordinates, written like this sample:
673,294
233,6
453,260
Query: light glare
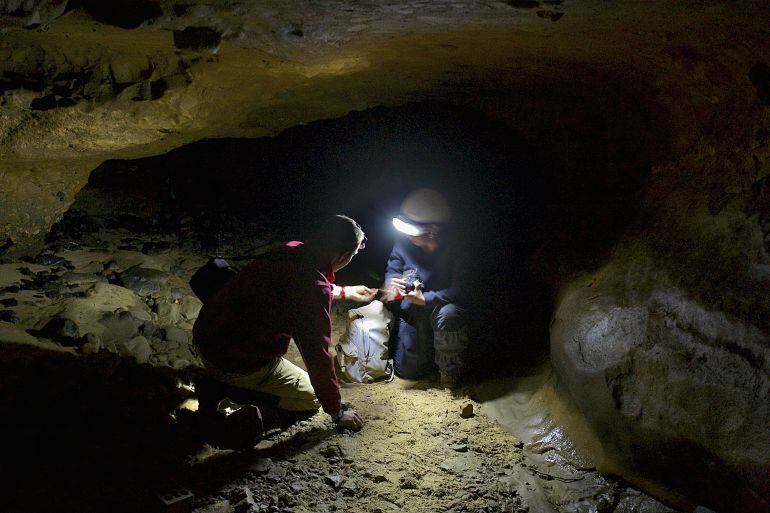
406,228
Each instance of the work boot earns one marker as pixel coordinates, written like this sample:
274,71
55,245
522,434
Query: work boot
450,351
237,426
449,379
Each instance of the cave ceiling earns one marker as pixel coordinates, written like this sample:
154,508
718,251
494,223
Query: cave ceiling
82,83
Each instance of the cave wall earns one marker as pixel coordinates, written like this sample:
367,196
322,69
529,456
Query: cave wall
601,89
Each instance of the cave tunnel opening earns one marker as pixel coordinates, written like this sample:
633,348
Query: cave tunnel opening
522,222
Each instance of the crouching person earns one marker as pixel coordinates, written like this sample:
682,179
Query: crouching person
243,330
421,282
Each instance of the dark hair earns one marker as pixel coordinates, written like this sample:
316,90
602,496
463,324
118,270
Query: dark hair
338,233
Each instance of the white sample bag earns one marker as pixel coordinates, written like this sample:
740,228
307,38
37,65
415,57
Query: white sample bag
362,352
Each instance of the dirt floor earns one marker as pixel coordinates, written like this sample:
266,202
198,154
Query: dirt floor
423,448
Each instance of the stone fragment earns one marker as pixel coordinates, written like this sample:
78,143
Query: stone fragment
9,316
62,330
138,347
459,447
334,480
177,335
93,344
261,466
467,411
168,312
349,488
180,363
189,307
52,260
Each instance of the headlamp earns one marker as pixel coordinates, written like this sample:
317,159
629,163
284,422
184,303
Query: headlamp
405,226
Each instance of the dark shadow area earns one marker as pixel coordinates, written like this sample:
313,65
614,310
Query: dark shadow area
87,433
522,222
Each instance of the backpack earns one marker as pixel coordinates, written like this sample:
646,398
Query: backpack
362,352
211,277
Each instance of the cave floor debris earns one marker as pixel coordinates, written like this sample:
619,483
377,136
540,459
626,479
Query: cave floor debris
423,448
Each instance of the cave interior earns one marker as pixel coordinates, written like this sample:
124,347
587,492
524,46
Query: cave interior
607,167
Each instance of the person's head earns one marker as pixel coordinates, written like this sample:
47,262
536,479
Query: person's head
427,211
337,239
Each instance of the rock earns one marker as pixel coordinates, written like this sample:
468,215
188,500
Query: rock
52,260
261,466
177,335
145,282
72,278
349,488
189,307
93,344
334,480
467,411
149,330
9,316
120,326
168,312
276,473
9,302
459,447
180,363
668,383
138,347
62,330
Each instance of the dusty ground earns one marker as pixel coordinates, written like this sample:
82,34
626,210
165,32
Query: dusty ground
417,452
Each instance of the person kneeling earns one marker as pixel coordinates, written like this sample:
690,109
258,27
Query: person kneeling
243,330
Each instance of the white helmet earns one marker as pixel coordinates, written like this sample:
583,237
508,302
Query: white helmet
420,209
426,206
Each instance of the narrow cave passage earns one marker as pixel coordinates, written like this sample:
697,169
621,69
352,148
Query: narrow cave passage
116,268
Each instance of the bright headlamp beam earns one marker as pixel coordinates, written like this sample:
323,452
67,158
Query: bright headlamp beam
406,228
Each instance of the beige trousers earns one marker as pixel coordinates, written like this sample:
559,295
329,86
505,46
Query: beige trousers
280,378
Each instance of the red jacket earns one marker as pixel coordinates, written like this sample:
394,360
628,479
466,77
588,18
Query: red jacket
277,297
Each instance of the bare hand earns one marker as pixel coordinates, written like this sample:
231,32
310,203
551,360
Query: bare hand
351,420
394,290
416,296
359,293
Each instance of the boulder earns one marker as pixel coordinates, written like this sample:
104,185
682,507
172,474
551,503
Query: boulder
62,330
673,390
119,326
137,347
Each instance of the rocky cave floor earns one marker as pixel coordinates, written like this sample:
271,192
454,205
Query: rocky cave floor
100,289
